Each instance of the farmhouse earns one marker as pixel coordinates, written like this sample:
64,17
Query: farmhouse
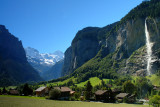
156,88
72,93
13,92
100,95
65,92
122,95
42,91
115,92
130,98
104,95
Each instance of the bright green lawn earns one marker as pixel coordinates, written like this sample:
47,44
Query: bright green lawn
29,102
154,79
94,81
59,82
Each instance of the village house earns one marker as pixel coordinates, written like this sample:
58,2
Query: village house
42,91
115,92
104,95
122,95
156,88
13,92
65,92
72,93
130,98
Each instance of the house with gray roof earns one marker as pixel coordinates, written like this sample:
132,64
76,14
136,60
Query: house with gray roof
42,91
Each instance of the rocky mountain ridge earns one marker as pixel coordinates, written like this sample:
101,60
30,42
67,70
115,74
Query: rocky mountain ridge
116,48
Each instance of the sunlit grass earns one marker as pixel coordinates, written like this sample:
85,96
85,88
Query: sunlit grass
94,81
154,79
29,102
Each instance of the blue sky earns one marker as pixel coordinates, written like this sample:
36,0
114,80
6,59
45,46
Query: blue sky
50,25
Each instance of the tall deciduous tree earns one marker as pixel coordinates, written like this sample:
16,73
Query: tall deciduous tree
54,94
128,87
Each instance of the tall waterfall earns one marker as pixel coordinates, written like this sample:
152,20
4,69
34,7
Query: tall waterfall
149,50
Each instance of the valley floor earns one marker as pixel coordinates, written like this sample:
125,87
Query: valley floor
6,101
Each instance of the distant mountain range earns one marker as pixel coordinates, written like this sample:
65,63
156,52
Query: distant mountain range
43,62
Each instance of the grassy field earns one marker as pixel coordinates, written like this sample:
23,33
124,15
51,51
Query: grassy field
154,79
29,102
94,81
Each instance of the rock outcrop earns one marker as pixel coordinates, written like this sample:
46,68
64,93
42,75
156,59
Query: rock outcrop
85,46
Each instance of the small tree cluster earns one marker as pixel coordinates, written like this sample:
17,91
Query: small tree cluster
54,94
128,87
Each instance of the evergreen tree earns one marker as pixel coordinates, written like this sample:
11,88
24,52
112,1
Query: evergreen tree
4,90
27,90
88,90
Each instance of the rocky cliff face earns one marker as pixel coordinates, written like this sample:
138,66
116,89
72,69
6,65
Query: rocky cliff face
125,51
136,63
14,67
120,49
85,46
11,47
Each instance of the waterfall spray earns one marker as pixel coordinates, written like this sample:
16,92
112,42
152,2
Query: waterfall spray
149,50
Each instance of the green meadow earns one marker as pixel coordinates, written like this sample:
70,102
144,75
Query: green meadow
8,101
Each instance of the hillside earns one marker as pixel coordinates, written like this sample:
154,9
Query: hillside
14,68
119,48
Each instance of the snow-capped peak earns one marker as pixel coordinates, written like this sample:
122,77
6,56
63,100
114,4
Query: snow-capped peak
49,59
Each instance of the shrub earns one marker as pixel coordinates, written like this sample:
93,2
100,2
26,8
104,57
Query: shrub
46,97
125,100
77,96
72,99
155,100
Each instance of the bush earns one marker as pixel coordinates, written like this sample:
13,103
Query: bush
72,99
54,94
125,100
77,96
46,97
120,100
128,87
155,100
